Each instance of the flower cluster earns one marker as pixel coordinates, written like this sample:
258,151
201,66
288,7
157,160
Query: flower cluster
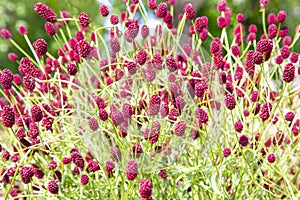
129,108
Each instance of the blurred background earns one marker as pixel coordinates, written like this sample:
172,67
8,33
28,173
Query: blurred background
20,12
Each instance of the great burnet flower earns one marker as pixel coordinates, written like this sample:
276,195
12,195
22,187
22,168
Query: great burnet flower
45,12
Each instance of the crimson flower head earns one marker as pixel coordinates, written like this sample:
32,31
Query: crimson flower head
41,47
179,128
5,34
162,10
226,152
288,73
8,116
189,11
152,4
53,187
230,101
281,16
103,10
45,12
22,30
271,158
131,170
6,78
221,5
145,188
84,19
50,29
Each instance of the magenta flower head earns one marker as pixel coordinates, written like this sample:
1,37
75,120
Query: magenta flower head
154,104
238,126
53,187
7,116
131,170
145,189
22,30
243,140
252,28
6,78
104,10
285,51
26,174
240,18
109,167
5,34
93,124
114,45
272,30
189,10
221,6
84,20
162,10
83,48
288,73
45,12
84,179
171,63
114,19
179,128
141,57
71,69
12,56
199,24
281,15
50,29
41,47
152,4
36,113
229,101
226,152
144,31
271,158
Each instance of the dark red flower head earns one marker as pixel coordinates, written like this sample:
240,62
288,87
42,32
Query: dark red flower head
243,140
152,4
131,170
221,5
189,10
179,128
6,78
84,20
103,10
271,158
84,179
45,12
26,174
53,187
109,167
41,47
162,10
7,116
226,152
288,73
229,101
145,188
281,16
5,34
83,48
36,113
50,29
